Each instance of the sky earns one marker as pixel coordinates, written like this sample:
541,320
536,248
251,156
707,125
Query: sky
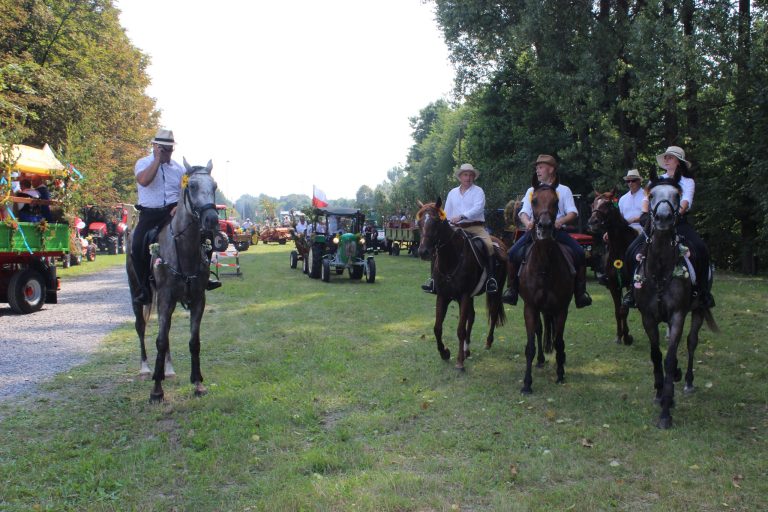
284,95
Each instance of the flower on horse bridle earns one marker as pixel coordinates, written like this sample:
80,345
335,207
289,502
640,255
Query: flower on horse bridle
184,181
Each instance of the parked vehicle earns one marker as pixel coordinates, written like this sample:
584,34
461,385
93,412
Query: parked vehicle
338,244
108,226
236,235
402,237
279,235
29,249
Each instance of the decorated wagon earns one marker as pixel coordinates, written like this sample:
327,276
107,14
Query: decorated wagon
32,231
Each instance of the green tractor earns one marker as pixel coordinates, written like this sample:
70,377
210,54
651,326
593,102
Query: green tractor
338,244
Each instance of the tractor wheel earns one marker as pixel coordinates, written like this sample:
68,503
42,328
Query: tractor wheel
91,254
112,245
26,291
325,271
370,276
305,264
395,249
76,258
356,272
294,259
315,261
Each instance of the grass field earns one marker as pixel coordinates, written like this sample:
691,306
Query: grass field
332,397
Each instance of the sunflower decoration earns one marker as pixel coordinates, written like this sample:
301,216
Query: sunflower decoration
184,181
442,214
618,264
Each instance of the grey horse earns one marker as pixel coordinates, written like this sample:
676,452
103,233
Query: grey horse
663,293
180,268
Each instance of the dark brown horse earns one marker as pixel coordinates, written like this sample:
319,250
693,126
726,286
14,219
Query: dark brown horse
663,293
458,276
546,284
606,218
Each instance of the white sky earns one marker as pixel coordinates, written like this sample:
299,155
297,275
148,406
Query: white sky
282,95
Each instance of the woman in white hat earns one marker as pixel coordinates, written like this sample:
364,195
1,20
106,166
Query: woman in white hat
674,163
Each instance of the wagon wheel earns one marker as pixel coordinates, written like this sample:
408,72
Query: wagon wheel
26,291
315,257
91,254
294,259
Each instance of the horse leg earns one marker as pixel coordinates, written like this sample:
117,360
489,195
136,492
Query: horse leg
532,323
441,308
652,330
164,328
538,331
470,324
559,329
195,317
697,319
671,369
461,331
170,373
141,329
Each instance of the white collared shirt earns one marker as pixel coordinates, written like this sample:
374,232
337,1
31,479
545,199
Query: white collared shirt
631,206
165,189
565,202
470,204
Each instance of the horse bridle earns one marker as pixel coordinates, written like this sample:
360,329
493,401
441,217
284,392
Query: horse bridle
544,186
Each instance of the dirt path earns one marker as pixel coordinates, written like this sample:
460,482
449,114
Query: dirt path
34,348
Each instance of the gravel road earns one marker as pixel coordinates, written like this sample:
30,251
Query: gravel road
34,348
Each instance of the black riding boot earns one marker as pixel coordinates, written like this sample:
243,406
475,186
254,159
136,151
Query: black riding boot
491,286
581,296
429,286
511,293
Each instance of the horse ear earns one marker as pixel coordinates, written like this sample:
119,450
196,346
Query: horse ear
438,202
653,176
421,205
186,164
209,167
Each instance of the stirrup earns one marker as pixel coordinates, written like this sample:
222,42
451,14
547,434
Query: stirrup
491,286
628,300
212,285
583,300
429,286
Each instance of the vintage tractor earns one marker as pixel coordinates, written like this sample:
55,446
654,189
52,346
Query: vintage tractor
337,243
236,236
108,227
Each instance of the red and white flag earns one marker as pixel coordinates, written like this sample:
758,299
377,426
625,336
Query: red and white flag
318,198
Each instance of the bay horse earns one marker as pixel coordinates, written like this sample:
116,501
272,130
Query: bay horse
606,218
458,275
546,284
180,268
663,293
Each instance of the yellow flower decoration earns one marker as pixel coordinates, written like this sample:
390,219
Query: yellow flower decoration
618,264
184,181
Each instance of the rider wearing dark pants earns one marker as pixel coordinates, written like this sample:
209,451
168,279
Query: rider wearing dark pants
546,172
674,162
159,189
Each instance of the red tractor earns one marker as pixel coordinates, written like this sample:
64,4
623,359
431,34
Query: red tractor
108,226
236,235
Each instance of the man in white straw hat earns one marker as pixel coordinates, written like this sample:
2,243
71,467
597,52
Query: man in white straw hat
631,203
465,208
158,179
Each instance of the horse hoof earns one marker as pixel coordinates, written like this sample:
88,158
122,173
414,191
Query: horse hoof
628,340
200,391
689,389
664,423
526,391
560,381
156,398
488,345
617,341
460,369
445,355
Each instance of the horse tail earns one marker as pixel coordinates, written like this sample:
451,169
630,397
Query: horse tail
710,320
495,309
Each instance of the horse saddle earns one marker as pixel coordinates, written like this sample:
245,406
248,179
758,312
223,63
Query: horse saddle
567,254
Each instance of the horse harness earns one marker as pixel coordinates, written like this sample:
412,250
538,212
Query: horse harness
196,214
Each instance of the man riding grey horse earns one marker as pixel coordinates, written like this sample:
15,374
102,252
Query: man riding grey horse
158,179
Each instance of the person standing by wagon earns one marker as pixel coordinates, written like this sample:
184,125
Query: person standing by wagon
158,179
546,172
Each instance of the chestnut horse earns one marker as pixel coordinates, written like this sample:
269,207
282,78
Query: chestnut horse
606,218
663,293
546,283
458,276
